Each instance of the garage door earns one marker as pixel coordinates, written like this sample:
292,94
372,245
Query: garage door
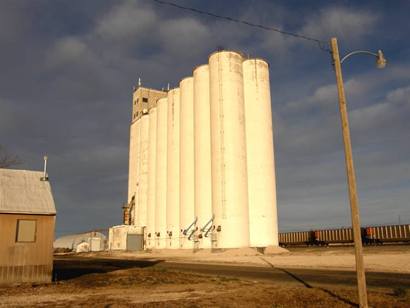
135,242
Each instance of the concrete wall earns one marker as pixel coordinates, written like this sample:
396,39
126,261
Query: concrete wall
187,163
173,147
202,150
228,147
263,226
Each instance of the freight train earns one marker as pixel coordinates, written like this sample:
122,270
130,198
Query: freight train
375,235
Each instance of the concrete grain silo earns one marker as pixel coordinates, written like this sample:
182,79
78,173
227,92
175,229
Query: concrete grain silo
263,225
187,216
134,168
202,171
173,169
132,163
202,150
228,147
141,218
152,157
161,174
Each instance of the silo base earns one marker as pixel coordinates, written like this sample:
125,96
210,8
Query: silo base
181,252
274,250
236,252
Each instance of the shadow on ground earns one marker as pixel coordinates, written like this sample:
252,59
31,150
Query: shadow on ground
73,267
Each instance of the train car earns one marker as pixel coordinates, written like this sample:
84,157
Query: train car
375,235
388,234
295,238
334,236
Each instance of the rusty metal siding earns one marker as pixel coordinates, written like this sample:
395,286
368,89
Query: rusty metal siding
26,262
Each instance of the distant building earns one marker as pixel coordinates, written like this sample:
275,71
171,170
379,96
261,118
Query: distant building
82,242
126,237
27,219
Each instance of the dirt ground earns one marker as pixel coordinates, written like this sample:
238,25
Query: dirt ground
87,284
151,287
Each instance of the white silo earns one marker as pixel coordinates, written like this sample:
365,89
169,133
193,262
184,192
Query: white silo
134,168
161,174
173,170
263,226
187,165
228,146
132,165
202,150
143,171
152,157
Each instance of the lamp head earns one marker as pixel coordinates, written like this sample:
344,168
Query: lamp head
380,61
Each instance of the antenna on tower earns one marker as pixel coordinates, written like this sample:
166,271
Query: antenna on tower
168,86
139,81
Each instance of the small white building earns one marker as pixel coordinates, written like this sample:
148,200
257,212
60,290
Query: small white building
126,237
82,242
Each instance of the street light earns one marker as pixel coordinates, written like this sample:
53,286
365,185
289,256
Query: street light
380,60
351,177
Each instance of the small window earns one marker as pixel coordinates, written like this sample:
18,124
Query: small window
26,231
145,100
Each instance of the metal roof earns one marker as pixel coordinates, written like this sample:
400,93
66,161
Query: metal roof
71,241
23,192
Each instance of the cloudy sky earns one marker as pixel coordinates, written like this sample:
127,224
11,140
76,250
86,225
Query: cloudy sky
67,69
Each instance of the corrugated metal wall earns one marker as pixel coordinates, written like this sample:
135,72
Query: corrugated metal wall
26,262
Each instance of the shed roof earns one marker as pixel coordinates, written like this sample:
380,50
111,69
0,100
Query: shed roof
23,192
72,240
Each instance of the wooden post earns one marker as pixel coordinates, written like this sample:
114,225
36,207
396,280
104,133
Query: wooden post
351,178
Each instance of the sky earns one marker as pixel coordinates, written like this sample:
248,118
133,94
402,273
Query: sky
67,70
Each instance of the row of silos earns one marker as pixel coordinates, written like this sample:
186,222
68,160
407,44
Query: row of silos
206,163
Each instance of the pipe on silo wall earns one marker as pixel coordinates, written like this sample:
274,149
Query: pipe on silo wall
202,150
187,165
161,174
173,169
152,157
228,147
263,225
143,172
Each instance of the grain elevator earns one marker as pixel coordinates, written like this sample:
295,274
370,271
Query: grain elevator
201,160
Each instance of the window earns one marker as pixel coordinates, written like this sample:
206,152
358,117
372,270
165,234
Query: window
145,100
26,231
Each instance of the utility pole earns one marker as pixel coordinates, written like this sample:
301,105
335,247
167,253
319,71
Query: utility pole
351,178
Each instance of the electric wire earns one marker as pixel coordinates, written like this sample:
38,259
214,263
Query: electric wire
322,44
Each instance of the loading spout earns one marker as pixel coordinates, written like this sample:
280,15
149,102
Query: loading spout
191,234
206,225
185,232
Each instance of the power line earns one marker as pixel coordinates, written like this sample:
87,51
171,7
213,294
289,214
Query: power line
322,44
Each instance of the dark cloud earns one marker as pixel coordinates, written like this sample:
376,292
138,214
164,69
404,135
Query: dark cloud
67,72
